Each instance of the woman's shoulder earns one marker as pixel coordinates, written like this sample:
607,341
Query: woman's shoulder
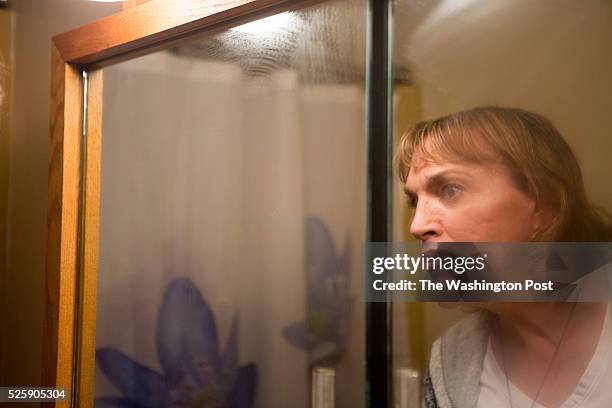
456,359
462,333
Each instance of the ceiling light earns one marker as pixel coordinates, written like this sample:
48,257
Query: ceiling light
265,25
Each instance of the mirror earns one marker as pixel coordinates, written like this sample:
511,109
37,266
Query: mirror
551,58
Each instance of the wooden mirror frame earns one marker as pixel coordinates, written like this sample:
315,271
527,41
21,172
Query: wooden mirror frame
74,173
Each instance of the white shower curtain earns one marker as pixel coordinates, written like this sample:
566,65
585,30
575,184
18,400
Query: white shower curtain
209,174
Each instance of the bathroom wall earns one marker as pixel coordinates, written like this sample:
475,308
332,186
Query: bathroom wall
22,287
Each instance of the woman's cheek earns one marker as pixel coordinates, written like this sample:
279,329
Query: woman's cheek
496,221
467,225
484,221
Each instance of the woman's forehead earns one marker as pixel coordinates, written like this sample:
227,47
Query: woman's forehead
425,169
429,153
428,168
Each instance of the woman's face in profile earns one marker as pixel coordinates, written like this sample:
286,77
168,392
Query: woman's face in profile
458,201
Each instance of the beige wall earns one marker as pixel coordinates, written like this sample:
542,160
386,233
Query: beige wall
501,53
22,288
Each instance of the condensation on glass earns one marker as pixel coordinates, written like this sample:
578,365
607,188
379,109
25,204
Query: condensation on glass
233,214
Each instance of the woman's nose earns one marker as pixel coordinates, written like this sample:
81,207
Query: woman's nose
425,225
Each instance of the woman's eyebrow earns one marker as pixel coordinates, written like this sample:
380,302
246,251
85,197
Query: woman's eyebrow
433,181
411,194
437,179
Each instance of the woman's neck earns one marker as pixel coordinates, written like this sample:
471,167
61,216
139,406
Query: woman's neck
535,324
543,348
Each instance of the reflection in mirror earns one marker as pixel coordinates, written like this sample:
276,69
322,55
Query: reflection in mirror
232,216
551,58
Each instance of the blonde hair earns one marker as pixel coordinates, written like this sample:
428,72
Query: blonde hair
528,144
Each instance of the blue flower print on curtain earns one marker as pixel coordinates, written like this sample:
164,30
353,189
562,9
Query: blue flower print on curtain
323,332
194,371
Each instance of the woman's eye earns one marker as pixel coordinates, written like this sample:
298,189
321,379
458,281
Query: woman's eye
412,202
450,191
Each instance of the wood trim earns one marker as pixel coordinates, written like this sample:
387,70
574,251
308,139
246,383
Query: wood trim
153,23
90,246
63,217
127,4
69,342
6,38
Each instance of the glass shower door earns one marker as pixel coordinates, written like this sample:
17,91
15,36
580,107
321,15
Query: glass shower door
233,214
